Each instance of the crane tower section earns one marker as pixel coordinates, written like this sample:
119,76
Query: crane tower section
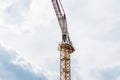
65,47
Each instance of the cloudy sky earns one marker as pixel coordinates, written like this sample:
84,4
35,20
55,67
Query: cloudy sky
29,37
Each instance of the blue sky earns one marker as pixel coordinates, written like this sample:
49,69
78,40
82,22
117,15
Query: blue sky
12,67
29,37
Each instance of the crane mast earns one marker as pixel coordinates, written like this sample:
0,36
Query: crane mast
65,47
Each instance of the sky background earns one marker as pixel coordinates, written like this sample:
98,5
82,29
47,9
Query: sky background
30,34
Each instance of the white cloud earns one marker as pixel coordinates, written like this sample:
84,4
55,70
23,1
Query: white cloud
35,33
95,34
14,67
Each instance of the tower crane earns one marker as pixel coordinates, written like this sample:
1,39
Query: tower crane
65,47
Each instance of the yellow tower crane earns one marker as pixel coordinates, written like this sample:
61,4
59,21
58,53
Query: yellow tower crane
65,47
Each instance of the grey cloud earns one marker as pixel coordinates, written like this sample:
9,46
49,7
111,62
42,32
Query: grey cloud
10,71
107,74
95,11
14,12
112,35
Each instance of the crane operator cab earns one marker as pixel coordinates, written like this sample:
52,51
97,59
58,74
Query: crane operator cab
65,37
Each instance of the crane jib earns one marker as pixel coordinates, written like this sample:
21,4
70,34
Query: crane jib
60,15
58,7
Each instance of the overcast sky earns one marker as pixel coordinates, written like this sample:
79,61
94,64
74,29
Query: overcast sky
30,34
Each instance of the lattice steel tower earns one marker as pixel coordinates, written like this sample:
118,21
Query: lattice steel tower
65,47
